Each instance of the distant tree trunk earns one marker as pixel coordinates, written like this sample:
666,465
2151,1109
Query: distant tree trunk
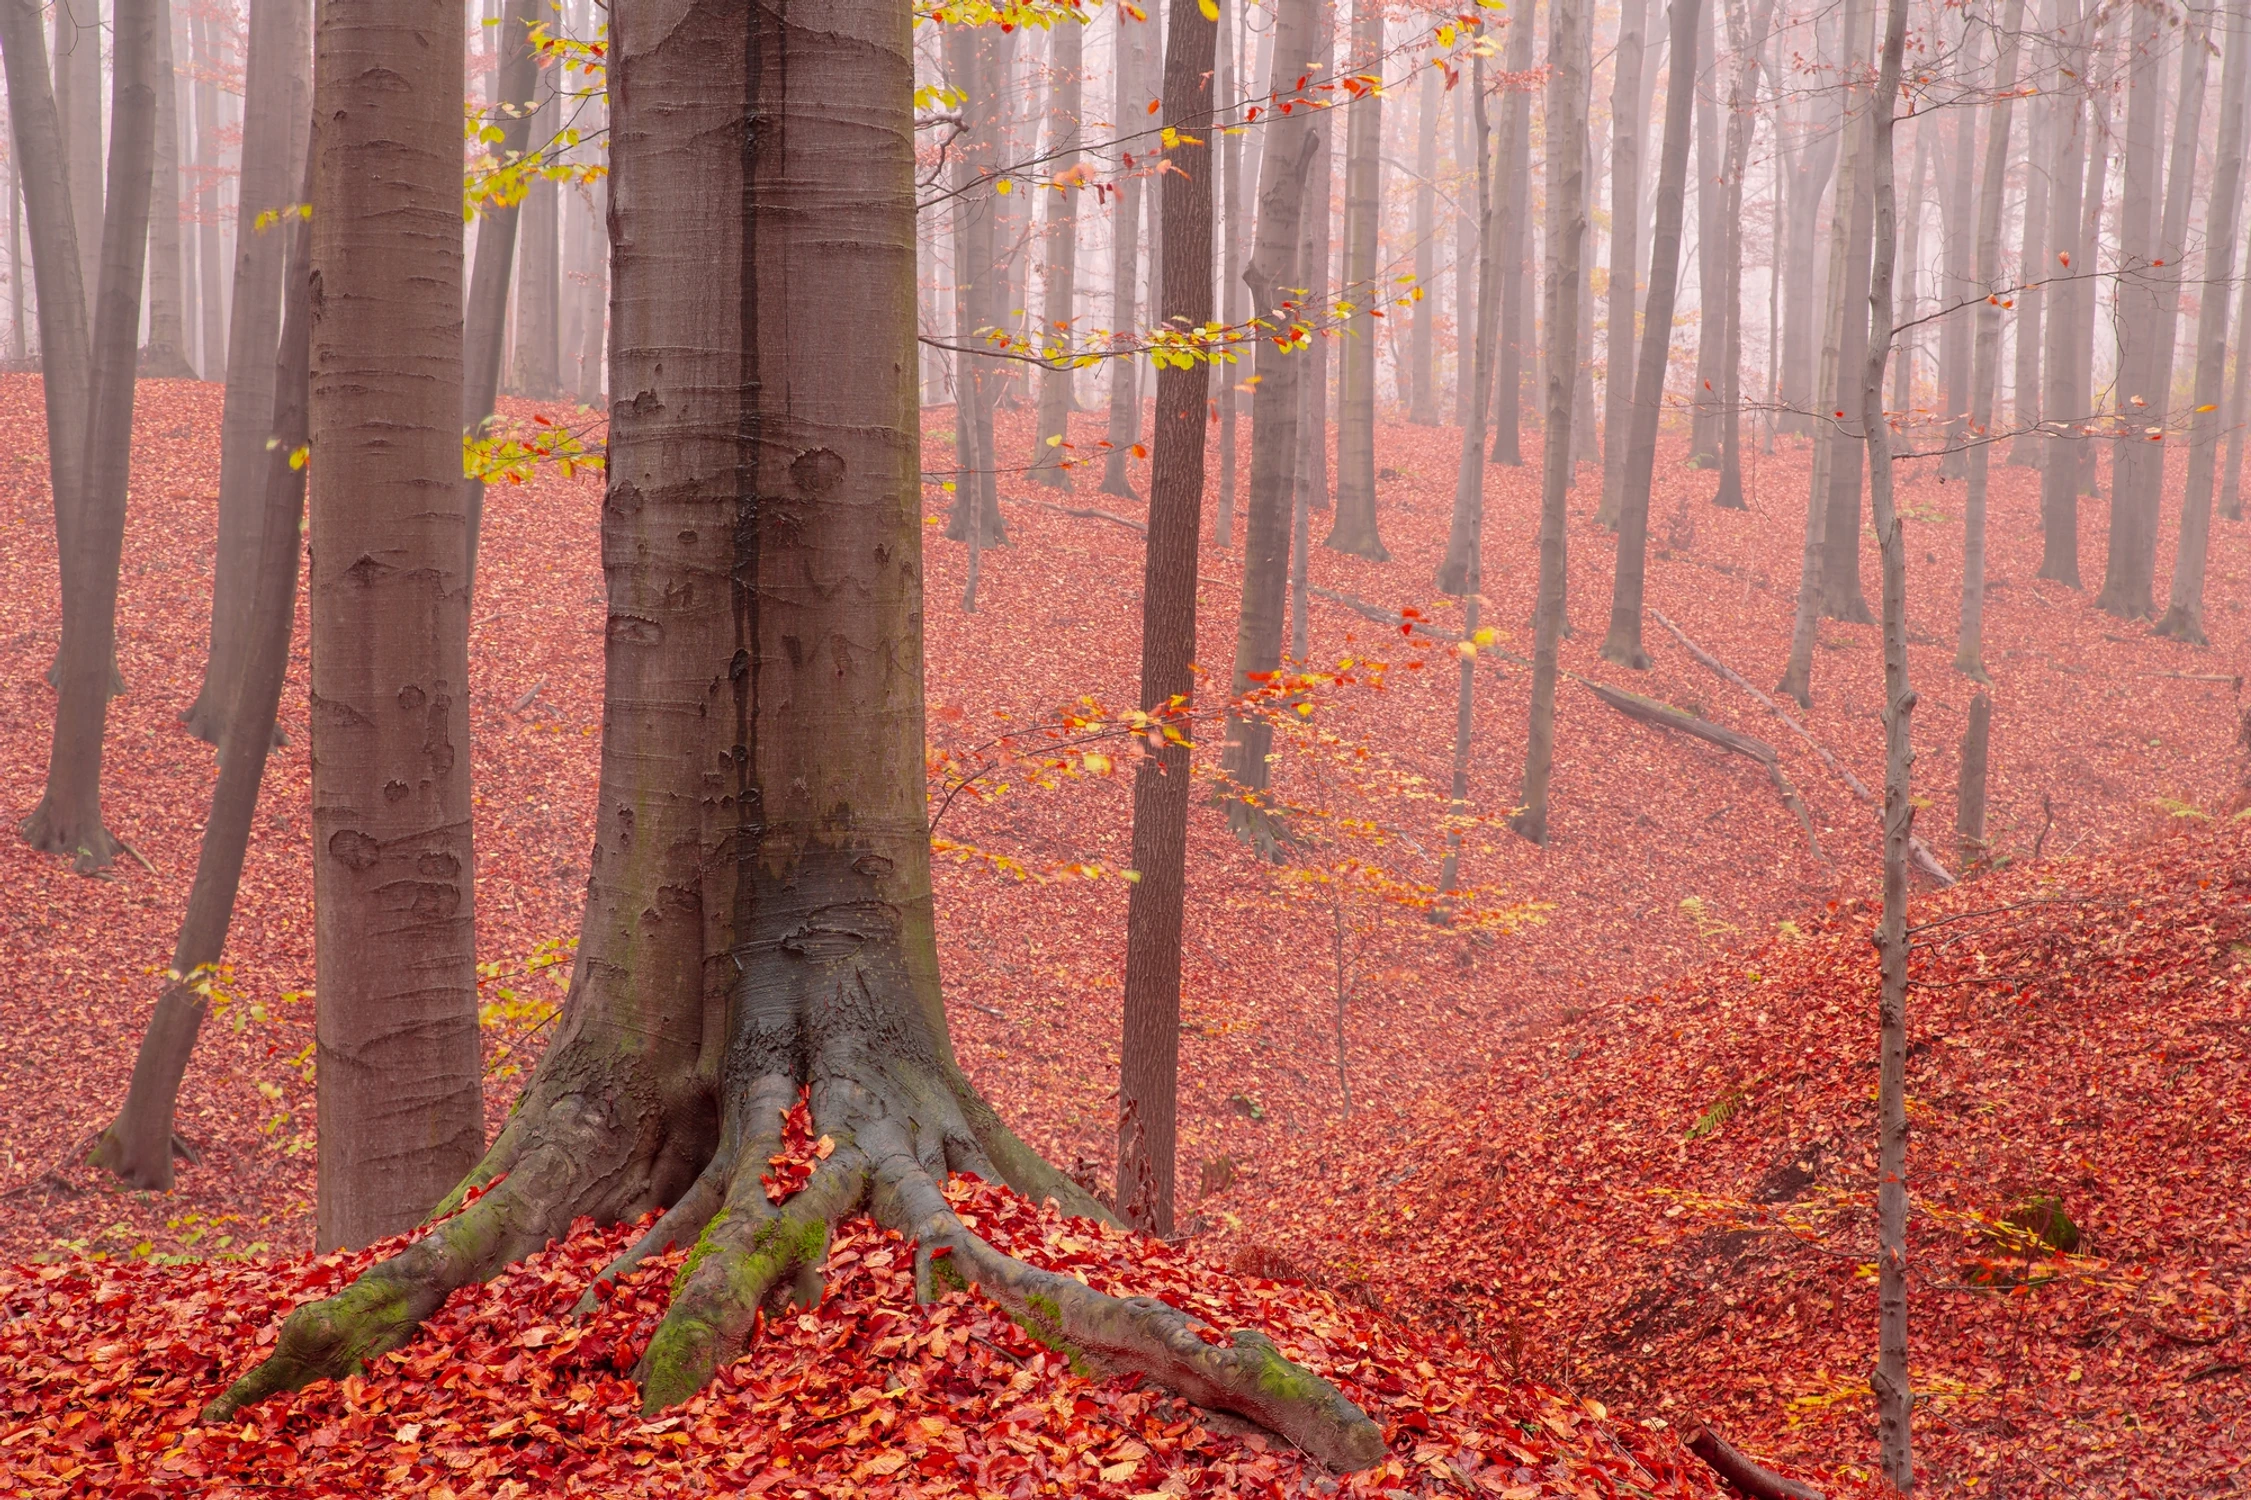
1149,1066
1060,241
1969,795
275,91
1289,152
1422,378
974,58
1355,529
1461,570
68,820
1985,353
138,1145
538,291
1569,48
2184,614
1513,181
1907,298
1894,1400
78,99
1749,44
1313,262
485,321
594,324
1230,158
1623,642
2057,439
1960,282
400,1114
1841,597
2129,570
210,257
1625,254
2070,456
1802,313
1125,228
164,357
1466,270
2032,260
19,352
1711,240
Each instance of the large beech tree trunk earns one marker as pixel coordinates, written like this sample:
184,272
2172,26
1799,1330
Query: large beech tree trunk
2184,613
2069,466
1749,44
210,302
1355,528
401,1117
68,819
78,102
1625,253
1060,240
1622,644
1513,179
1149,1066
766,926
1569,49
1803,311
275,97
138,1145
164,356
1841,596
1985,351
2032,261
2137,307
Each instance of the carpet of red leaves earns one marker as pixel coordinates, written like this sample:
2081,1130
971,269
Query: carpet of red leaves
1666,855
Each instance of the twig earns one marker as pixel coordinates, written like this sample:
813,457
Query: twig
137,854
1089,514
2232,679
531,696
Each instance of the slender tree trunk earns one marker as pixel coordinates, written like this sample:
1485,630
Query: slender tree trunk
2238,409
1803,313
78,99
1513,176
1355,528
2070,459
1569,48
1625,253
1623,642
595,295
1313,263
1461,570
2032,260
1291,149
1959,284
19,354
1749,45
1061,243
68,820
276,92
1422,374
1711,298
1230,158
1467,273
210,257
2184,613
401,1118
1125,228
1149,1070
164,356
538,290
2062,272
138,1145
1841,597
975,56
1985,353
2129,569
1909,269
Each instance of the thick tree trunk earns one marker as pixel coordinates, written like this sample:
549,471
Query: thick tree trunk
1569,49
211,302
1804,314
138,1145
1355,528
1625,254
1127,99
1985,352
974,59
1841,597
1422,339
1149,1066
1292,148
276,94
1711,299
2069,403
164,357
1749,44
1959,283
485,319
2184,613
1461,570
1313,266
68,819
401,1117
1894,1401
2129,569
78,101
1513,178
1622,644
1060,240
769,927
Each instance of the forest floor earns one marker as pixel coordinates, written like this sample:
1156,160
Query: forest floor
1668,857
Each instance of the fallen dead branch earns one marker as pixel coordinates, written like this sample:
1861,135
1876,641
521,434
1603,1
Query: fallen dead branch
1747,1476
1089,513
1923,857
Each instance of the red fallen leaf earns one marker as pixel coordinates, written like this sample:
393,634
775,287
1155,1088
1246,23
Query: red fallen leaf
793,1164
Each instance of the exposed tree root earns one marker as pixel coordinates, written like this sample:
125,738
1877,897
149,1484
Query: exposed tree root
1748,1477
90,849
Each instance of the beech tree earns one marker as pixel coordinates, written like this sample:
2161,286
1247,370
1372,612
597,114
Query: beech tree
1059,238
1711,242
1132,65
1355,529
164,356
2126,577
1513,181
1625,254
2068,466
395,983
1422,382
759,919
1749,44
78,104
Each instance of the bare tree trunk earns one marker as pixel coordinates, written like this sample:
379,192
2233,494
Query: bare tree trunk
138,1145
1569,49
78,101
2184,614
1959,284
1313,263
2070,457
1841,597
1149,1067
1422,381
1060,240
594,324
1711,299
1969,794
210,256
1231,88
276,91
2129,569
1622,644
1894,1401
164,357
1125,228
2063,404
68,820
19,353
1910,267
2032,260
1355,529
1513,176
1804,314
1985,353
538,365
1625,253
976,59
1749,45
1292,146
2238,409
1461,570
1466,271
401,1118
